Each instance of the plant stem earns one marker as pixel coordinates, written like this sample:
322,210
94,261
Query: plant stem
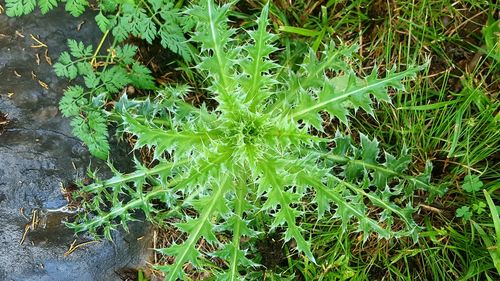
93,60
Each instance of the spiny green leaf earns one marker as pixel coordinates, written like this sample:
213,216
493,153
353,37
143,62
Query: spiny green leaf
371,85
162,140
214,37
336,110
356,164
186,251
191,225
251,154
257,64
394,167
348,206
286,214
238,257
370,149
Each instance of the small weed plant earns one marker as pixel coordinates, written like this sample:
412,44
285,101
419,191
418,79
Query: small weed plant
106,73
145,19
255,162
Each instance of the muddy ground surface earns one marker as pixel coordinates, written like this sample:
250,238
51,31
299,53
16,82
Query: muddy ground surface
38,153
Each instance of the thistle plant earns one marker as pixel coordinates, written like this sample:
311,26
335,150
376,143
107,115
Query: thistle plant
253,163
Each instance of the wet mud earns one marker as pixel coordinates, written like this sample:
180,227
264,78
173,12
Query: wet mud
38,154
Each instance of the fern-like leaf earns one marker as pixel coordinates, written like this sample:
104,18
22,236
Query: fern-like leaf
93,130
47,5
72,101
78,49
76,7
102,22
172,38
141,77
16,8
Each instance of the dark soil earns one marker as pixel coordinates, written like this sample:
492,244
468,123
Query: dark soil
128,274
271,249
